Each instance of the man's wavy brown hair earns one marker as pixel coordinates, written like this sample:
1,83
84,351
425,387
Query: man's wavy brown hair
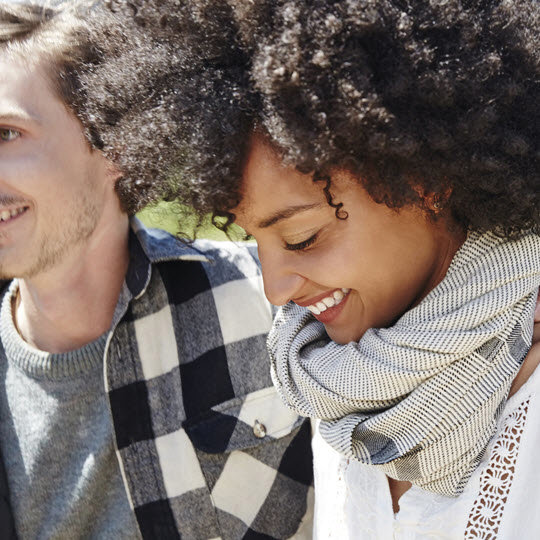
74,45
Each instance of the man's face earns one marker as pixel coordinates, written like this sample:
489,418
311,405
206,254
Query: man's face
53,188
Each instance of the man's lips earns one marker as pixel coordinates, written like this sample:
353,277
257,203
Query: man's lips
9,214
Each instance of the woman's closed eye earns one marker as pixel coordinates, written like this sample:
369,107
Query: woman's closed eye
300,246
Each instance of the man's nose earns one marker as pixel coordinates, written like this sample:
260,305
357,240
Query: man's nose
281,282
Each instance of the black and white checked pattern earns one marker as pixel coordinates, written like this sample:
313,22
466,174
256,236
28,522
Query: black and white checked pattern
420,399
187,374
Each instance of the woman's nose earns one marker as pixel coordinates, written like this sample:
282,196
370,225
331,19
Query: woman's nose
281,282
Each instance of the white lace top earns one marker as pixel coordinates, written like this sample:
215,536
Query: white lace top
501,500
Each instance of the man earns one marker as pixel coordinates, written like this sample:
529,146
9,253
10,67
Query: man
136,399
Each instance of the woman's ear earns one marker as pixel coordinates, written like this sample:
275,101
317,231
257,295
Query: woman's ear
431,200
436,202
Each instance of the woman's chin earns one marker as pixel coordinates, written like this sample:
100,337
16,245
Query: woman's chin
342,336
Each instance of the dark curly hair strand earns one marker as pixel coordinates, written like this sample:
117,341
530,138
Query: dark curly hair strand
440,94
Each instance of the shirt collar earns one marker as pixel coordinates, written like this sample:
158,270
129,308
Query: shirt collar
150,246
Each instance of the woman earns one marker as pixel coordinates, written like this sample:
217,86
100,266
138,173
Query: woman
385,156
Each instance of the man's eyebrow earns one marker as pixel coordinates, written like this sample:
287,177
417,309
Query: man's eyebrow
286,213
17,116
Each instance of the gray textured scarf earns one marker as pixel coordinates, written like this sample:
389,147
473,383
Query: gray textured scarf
420,399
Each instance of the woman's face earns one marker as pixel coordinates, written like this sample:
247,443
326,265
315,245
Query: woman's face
353,274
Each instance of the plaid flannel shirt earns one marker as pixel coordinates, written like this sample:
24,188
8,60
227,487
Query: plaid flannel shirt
205,446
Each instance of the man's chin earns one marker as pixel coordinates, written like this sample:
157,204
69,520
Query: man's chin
7,274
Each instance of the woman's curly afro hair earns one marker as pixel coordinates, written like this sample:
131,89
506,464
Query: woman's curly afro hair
439,94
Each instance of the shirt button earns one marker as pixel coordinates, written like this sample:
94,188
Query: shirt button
259,430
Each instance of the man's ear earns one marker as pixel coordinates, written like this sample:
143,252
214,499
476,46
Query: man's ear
112,170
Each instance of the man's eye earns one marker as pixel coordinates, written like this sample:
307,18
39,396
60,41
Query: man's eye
301,245
8,134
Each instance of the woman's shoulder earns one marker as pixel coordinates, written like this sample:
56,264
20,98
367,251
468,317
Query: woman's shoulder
528,376
353,497
508,476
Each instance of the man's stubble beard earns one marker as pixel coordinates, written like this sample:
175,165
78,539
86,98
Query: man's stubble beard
60,240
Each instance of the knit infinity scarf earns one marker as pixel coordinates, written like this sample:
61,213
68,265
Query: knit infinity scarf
420,399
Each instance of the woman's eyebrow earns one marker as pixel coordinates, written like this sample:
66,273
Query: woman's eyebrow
286,213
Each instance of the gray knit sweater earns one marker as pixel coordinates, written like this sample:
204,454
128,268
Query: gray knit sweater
57,442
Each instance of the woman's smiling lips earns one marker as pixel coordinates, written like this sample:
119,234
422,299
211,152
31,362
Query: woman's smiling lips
327,306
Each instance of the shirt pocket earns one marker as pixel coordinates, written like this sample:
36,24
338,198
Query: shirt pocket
242,423
255,455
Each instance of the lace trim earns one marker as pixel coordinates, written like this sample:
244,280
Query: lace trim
496,479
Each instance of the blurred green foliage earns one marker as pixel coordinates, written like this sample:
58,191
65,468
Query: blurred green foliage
179,220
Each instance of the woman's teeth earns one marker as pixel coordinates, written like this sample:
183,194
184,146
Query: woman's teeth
330,301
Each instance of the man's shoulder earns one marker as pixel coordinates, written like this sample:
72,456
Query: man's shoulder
231,260
160,245
222,261
231,270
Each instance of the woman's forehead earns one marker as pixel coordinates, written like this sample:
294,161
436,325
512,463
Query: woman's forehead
268,185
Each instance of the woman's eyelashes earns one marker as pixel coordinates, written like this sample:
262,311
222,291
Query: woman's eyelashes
300,246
